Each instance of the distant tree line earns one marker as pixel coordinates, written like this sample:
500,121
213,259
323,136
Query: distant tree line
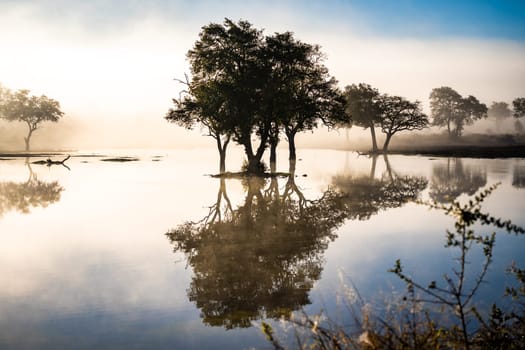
255,90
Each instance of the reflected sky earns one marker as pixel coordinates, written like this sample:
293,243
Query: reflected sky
94,267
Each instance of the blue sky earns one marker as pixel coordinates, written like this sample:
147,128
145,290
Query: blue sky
504,19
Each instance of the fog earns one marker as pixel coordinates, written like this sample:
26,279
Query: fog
113,71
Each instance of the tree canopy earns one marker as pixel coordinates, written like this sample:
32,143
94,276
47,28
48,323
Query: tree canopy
499,110
449,108
364,108
244,84
399,114
32,110
519,107
368,108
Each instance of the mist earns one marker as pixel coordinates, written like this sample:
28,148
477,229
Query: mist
114,74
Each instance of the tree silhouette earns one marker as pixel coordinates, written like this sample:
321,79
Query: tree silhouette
261,259
245,85
519,107
205,104
499,111
449,107
29,194
299,91
399,114
364,108
32,110
451,179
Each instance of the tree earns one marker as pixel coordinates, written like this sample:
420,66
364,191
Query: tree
519,127
449,107
244,85
230,55
32,110
399,114
499,110
519,107
364,108
300,92
205,105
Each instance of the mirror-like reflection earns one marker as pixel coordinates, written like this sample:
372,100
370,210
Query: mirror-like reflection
452,179
364,196
518,176
261,259
22,196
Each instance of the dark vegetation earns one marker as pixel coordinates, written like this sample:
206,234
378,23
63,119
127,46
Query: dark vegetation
249,88
472,145
246,87
433,314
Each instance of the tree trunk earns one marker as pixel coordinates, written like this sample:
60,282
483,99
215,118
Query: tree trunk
291,167
448,128
222,152
387,142
222,161
273,157
255,165
291,146
374,142
28,138
373,168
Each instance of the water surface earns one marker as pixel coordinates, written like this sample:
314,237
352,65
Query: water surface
155,254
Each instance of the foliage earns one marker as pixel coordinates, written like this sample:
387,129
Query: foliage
299,91
244,84
414,322
364,108
367,108
456,294
519,107
449,107
32,110
399,114
499,110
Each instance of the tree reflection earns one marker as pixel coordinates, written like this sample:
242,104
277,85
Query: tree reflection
261,259
22,196
364,196
518,176
452,179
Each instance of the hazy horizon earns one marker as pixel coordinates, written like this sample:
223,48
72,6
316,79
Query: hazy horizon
112,65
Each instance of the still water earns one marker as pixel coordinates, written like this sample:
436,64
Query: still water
154,253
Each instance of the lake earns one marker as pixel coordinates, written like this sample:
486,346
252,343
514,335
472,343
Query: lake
155,253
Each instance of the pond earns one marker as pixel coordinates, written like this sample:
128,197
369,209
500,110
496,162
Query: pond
154,253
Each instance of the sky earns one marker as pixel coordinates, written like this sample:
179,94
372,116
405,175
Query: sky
111,63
